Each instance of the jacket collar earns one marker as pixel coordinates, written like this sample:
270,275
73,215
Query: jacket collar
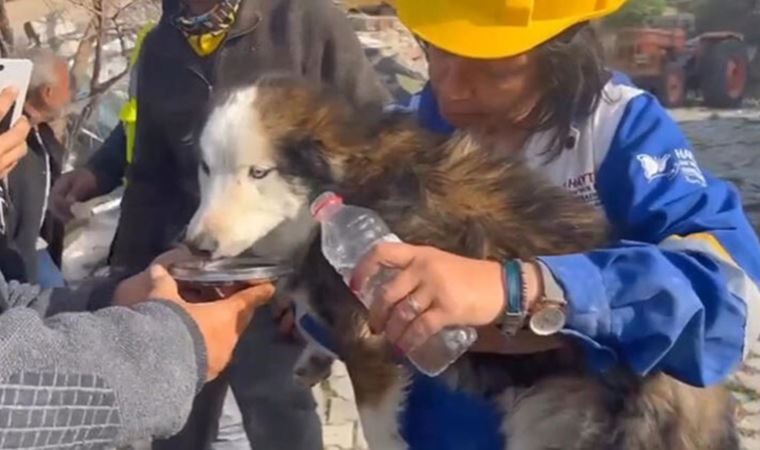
247,20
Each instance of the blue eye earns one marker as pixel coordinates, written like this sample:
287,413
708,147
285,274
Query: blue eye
257,173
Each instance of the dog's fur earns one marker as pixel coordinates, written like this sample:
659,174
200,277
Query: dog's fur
456,196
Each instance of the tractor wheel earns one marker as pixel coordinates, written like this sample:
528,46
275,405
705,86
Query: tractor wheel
672,87
724,74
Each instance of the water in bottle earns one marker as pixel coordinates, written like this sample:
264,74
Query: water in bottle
348,233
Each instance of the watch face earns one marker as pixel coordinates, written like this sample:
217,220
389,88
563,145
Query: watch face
548,321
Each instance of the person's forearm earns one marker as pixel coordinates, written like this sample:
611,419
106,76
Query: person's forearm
101,379
657,308
46,302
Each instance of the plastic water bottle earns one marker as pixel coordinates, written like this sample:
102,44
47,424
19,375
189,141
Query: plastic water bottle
348,233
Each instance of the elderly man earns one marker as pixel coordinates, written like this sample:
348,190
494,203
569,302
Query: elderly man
34,235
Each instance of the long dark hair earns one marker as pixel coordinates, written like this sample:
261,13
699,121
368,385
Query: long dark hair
572,74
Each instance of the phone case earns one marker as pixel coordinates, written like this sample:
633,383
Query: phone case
17,73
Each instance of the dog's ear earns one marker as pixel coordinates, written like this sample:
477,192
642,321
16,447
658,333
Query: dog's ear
303,157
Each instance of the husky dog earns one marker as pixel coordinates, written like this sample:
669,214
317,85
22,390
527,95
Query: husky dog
269,149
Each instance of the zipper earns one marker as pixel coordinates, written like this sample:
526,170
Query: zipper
202,77
46,154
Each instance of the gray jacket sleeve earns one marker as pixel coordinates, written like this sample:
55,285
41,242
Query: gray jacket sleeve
93,380
337,58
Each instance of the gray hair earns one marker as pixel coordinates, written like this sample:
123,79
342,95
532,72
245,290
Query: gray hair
45,64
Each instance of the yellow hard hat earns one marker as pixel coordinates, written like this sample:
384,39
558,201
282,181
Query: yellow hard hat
496,28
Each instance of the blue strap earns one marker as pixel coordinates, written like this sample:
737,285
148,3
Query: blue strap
513,275
317,332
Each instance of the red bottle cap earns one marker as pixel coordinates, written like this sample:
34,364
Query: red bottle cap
326,199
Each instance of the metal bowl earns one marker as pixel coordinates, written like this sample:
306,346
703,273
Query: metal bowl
229,271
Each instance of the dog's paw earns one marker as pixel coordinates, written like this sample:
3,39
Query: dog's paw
313,366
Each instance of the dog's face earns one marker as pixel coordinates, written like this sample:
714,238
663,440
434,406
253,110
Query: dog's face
257,151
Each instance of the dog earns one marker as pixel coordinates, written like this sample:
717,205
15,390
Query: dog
269,149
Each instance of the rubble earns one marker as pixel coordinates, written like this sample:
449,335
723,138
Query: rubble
394,52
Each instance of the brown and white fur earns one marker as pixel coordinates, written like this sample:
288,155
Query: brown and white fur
271,148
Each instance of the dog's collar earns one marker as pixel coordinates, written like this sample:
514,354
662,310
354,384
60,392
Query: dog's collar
318,333
314,330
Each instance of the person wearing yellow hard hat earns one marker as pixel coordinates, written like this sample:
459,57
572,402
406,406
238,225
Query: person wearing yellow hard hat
676,291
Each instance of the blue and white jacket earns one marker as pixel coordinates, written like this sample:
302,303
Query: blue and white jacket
678,293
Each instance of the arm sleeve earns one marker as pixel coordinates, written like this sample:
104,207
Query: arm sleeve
677,292
336,57
153,204
96,379
108,163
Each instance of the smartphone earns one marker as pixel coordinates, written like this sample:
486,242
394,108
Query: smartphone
16,73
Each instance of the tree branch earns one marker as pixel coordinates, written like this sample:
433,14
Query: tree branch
6,32
100,88
32,34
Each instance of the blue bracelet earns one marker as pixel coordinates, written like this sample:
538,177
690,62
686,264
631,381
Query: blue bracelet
513,273
514,315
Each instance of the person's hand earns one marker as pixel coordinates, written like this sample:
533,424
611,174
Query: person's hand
284,315
13,141
137,288
79,185
433,289
221,322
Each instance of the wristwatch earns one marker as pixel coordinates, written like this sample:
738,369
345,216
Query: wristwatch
548,314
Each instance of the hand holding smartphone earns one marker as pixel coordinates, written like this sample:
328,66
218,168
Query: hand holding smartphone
15,75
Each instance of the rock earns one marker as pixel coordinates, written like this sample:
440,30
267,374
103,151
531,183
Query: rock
320,397
341,386
340,436
752,408
361,442
341,411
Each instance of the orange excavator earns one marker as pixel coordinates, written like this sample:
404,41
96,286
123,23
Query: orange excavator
664,61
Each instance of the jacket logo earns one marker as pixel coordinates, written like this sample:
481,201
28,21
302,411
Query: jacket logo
681,162
656,166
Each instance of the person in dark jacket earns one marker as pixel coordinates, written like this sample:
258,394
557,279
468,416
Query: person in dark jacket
34,234
96,380
199,49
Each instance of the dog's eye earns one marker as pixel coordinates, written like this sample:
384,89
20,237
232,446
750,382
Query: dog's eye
204,168
257,173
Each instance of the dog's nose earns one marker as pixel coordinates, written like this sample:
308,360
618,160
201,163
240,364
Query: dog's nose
202,244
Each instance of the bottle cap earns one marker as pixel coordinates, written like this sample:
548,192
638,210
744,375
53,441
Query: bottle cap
323,201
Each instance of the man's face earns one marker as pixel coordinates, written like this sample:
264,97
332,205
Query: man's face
54,98
478,93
